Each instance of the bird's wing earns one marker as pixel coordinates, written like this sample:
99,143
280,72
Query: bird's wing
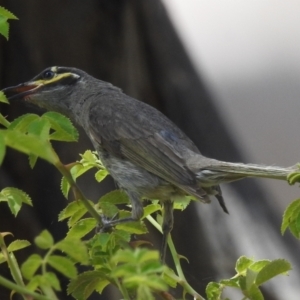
158,150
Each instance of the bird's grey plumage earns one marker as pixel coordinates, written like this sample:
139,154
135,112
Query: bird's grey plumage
147,155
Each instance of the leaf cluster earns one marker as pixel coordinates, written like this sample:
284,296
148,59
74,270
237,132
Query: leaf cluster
250,276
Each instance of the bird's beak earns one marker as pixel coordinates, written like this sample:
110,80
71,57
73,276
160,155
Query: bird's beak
22,90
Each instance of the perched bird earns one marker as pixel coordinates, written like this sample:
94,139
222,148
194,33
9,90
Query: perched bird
147,155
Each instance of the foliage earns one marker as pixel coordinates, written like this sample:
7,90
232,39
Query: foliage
5,15
250,275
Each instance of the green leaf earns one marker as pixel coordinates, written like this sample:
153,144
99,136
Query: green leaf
64,129
2,149
150,209
17,245
15,199
44,240
53,280
63,265
169,277
32,160
133,227
30,266
101,174
7,14
75,210
85,282
30,144
290,214
82,228
213,291
40,127
4,27
242,264
115,197
22,123
3,121
65,187
75,248
232,282
254,293
181,202
3,98
274,268
258,265
250,278
109,209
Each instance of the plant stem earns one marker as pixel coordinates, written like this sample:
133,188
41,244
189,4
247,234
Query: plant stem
181,278
78,194
21,289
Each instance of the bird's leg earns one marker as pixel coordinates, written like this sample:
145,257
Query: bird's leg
136,213
167,226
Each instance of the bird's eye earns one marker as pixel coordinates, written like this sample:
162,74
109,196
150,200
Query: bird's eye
48,75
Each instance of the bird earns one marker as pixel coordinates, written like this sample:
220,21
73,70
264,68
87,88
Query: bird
147,155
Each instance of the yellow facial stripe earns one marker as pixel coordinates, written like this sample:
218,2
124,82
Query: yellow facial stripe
56,78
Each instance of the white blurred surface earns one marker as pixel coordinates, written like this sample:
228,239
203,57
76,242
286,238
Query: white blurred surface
248,53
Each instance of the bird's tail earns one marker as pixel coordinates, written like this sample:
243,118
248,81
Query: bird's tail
215,172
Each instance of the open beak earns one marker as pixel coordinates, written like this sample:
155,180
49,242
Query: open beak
21,91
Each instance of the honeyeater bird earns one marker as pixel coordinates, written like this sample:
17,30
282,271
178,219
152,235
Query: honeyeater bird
147,155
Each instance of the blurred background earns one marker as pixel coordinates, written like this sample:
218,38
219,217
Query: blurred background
226,72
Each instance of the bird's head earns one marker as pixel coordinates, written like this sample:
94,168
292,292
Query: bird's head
56,88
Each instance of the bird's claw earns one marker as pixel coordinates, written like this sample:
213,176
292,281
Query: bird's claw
107,223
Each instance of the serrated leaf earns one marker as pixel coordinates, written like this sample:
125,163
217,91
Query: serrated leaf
109,209
40,127
69,245
101,174
44,240
150,209
290,211
181,202
242,264
254,293
32,160
18,245
82,228
15,198
30,144
274,268
133,227
213,291
7,14
232,282
4,27
30,266
65,187
3,98
169,277
63,265
64,129
258,265
2,149
22,123
78,285
250,278
52,279
115,197
71,209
